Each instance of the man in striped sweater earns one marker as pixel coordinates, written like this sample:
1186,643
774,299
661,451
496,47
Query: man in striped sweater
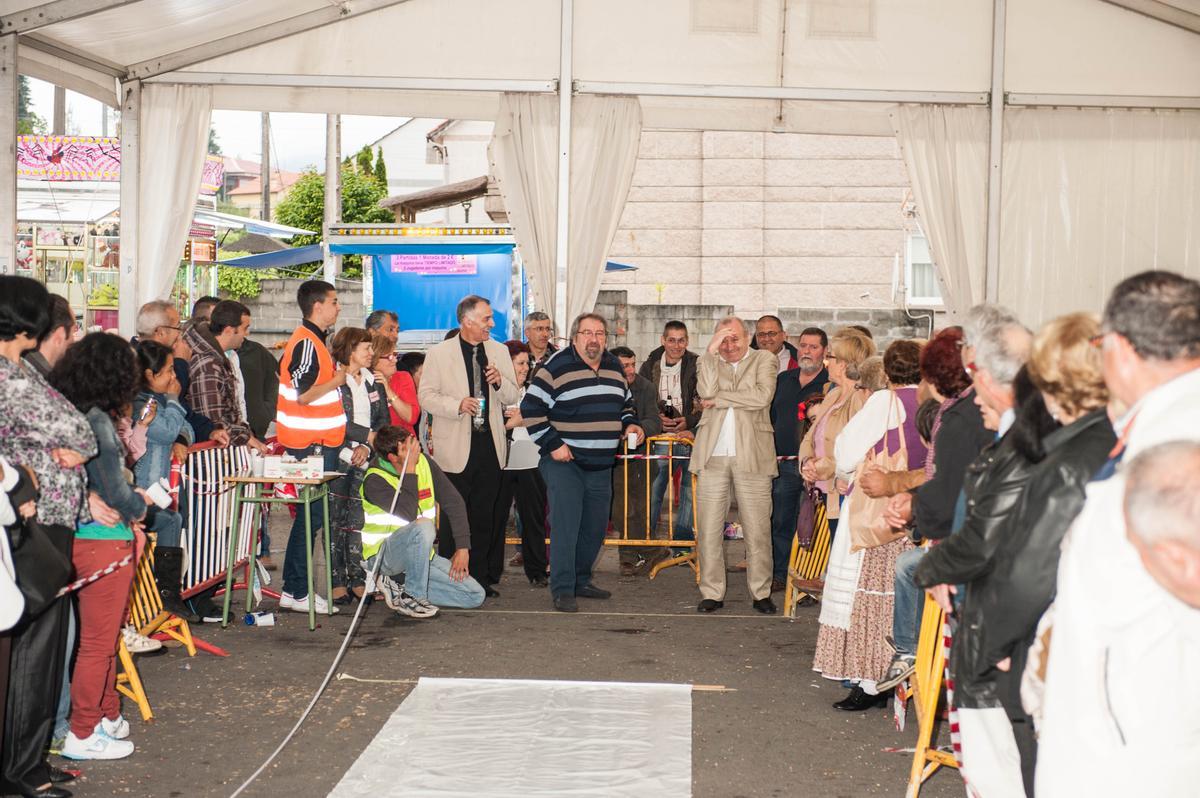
576,410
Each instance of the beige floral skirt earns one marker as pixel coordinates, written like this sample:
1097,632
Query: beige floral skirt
862,653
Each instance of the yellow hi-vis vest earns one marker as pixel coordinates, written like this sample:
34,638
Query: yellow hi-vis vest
378,523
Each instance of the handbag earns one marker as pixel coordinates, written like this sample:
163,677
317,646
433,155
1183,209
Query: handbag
806,516
867,527
41,569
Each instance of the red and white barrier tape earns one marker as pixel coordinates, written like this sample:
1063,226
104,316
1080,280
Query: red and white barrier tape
105,571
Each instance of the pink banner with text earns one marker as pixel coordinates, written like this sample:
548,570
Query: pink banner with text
434,264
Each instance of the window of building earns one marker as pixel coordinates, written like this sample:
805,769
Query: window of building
920,276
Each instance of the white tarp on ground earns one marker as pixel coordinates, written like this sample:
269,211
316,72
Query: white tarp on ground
528,739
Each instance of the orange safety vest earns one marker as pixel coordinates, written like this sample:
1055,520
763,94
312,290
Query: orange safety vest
321,422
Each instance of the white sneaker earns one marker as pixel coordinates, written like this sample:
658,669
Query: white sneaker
97,746
414,607
117,729
138,643
392,592
425,605
289,602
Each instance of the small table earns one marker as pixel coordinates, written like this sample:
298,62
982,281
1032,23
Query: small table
308,492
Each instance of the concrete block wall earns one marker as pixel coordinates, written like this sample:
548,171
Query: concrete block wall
885,324
639,326
274,312
762,221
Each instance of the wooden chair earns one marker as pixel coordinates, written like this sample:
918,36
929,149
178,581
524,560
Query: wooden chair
926,684
807,564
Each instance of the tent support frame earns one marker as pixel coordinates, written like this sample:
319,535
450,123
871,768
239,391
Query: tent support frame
564,163
8,162
991,267
131,156
333,192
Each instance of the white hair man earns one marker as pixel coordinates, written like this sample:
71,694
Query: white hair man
1122,630
735,447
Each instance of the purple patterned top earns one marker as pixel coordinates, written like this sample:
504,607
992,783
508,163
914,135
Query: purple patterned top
35,419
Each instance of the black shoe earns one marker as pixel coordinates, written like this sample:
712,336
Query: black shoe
591,591
765,606
539,581
709,605
60,776
168,573
491,592
48,792
854,695
566,603
859,701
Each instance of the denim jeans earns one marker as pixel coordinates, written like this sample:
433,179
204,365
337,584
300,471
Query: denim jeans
785,494
682,522
295,575
166,525
906,612
579,504
406,551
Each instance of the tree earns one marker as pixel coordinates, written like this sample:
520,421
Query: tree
304,206
214,146
28,123
363,162
380,170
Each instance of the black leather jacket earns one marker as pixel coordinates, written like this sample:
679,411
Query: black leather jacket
993,486
1013,595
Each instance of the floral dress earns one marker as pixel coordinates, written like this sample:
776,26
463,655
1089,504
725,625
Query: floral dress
34,420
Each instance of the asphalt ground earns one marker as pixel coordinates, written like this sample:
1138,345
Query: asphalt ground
772,732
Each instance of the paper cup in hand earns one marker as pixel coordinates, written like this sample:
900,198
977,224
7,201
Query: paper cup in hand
158,494
631,440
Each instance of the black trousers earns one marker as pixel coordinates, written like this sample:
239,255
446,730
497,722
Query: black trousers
529,490
35,674
479,485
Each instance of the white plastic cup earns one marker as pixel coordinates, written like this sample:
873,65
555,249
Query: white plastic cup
257,463
159,495
631,440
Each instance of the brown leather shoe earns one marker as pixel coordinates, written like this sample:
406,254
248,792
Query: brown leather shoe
777,585
739,567
268,563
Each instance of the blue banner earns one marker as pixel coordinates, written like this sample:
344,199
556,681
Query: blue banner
424,290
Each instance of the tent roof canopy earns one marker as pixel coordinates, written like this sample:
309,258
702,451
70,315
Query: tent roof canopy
696,64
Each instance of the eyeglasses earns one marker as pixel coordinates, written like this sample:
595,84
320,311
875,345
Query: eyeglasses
592,334
769,334
169,327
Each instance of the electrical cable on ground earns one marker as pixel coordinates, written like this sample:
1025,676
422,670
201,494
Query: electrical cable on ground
370,588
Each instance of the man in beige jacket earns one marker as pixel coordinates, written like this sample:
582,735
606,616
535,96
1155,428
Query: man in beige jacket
465,384
735,446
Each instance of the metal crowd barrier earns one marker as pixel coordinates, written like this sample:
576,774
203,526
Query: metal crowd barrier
206,502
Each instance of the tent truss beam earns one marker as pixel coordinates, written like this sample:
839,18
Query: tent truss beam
784,93
263,34
1169,13
50,48
1102,101
57,11
356,82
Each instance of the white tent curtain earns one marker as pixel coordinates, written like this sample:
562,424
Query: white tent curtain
524,157
1092,196
604,142
945,150
174,141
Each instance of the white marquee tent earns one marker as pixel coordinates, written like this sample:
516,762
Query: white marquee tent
1053,145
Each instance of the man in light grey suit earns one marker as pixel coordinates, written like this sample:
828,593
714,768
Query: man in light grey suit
735,446
466,381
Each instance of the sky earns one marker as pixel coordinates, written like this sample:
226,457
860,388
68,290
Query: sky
297,140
